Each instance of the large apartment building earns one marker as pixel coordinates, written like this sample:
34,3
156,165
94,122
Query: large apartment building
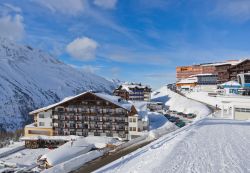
229,71
133,91
183,72
86,114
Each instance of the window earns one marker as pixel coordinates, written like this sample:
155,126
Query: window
134,119
60,109
41,124
134,128
41,116
247,78
130,129
130,120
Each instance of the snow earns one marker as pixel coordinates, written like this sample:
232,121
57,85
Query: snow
67,151
30,78
217,101
208,145
188,80
74,163
113,99
116,100
23,158
203,97
16,146
128,86
231,84
75,148
44,137
180,103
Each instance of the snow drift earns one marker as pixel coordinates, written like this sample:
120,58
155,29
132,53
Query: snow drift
67,151
180,103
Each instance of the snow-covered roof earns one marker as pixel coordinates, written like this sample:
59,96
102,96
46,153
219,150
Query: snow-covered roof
113,99
188,80
128,86
204,74
56,104
231,83
232,62
67,151
56,138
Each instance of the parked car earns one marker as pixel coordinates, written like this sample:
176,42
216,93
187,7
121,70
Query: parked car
180,113
180,124
167,116
191,115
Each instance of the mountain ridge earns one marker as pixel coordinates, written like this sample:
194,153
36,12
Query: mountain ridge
31,78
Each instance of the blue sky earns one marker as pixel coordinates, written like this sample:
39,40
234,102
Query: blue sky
132,40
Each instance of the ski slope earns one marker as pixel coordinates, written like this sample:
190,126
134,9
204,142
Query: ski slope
209,145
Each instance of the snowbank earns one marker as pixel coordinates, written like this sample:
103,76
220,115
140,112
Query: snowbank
67,151
101,141
158,132
17,146
74,163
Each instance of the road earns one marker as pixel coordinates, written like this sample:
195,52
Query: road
98,163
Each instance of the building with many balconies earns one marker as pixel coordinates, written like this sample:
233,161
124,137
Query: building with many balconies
86,114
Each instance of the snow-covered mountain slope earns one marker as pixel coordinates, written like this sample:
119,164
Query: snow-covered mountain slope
30,78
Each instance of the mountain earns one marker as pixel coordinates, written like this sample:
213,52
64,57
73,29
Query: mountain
30,78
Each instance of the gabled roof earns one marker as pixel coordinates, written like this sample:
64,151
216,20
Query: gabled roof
239,63
66,99
128,86
113,99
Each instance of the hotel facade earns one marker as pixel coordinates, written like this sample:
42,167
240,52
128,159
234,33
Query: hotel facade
86,114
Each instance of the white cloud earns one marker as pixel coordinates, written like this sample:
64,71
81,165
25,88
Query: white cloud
12,27
13,8
73,7
107,4
82,48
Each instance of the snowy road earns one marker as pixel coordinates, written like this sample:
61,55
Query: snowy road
212,145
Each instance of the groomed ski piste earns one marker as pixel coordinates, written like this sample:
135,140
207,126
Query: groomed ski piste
209,145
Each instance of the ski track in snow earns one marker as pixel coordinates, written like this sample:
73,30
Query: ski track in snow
211,146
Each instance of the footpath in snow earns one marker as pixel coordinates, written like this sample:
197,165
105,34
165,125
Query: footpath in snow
209,145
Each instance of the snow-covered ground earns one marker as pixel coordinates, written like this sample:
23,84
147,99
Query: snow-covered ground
179,103
227,100
23,159
27,158
203,97
16,146
209,145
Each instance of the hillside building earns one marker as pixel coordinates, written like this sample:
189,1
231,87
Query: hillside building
183,72
86,114
229,71
133,92
201,82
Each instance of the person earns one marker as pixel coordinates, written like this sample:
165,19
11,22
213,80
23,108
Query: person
71,142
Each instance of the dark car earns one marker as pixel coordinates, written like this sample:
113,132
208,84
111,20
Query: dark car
180,124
